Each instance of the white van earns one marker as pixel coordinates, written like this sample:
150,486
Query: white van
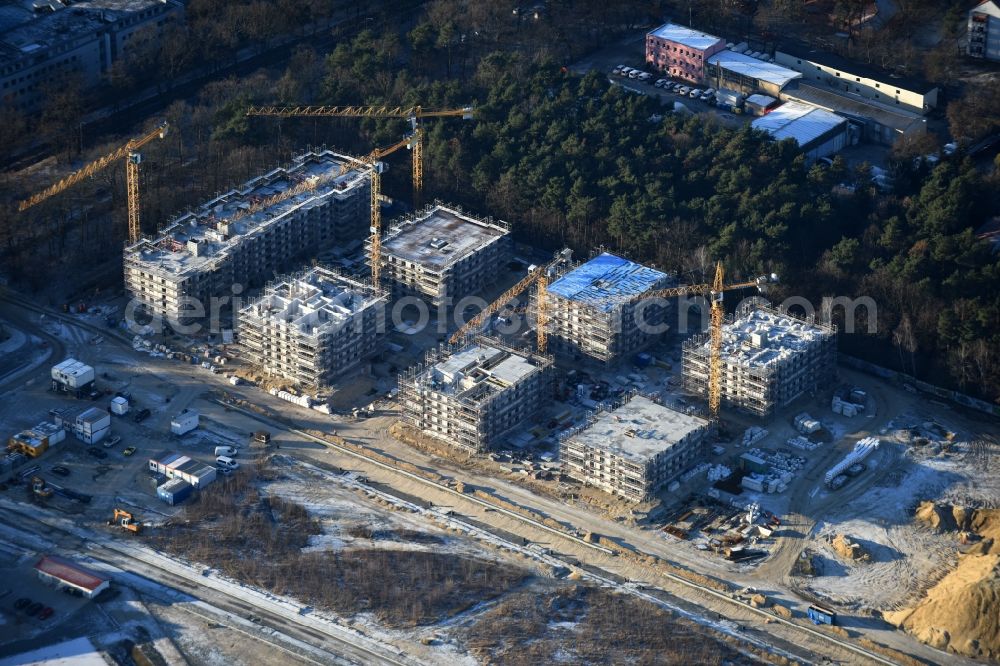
226,451
227,462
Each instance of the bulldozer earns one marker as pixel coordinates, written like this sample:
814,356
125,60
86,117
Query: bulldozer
126,520
40,488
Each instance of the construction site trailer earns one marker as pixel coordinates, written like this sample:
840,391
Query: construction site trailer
174,491
184,422
820,615
65,574
119,406
73,374
177,465
92,425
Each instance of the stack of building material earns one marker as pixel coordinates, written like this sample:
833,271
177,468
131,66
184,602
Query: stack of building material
753,435
861,451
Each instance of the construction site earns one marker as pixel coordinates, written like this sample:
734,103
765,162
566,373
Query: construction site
769,358
633,450
474,396
442,253
593,310
240,239
311,327
614,465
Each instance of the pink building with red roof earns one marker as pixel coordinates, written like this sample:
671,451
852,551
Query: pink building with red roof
681,52
63,573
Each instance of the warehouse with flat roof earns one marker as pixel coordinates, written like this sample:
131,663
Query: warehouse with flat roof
818,132
442,252
738,71
634,450
597,310
69,575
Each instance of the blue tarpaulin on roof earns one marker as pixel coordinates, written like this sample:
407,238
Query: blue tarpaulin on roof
606,279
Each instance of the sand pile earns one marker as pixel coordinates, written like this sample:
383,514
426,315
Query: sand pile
849,550
961,613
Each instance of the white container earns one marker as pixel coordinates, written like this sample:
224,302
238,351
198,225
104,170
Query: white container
73,373
119,406
184,422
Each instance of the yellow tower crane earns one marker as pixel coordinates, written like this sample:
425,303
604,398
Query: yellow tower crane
411,113
538,275
128,152
714,292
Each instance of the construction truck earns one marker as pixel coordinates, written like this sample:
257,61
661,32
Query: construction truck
40,488
126,521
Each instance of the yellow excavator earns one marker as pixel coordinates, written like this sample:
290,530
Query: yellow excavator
126,520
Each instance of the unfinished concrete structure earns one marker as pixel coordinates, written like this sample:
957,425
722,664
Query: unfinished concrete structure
313,326
634,450
473,396
769,358
247,235
596,309
441,252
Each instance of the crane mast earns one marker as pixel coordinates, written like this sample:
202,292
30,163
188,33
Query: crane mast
130,153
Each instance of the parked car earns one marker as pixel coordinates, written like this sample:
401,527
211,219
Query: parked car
645,76
46,613
129,451
34,609
141,415
707,96
96,453
617,69
634,74
660,83
112,441
60,470
694,93
22,603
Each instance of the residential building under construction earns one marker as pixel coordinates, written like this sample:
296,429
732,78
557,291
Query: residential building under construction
244,237
768,358
441,252
474,396
597,309
313,326
634,450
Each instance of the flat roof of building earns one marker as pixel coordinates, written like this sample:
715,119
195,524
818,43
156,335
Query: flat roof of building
314,302
764,337
606,281
840,101
689,37
24,32
222,224
752,67
843,64
439,237
638,430
761,100
480,370
70,573
799,121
